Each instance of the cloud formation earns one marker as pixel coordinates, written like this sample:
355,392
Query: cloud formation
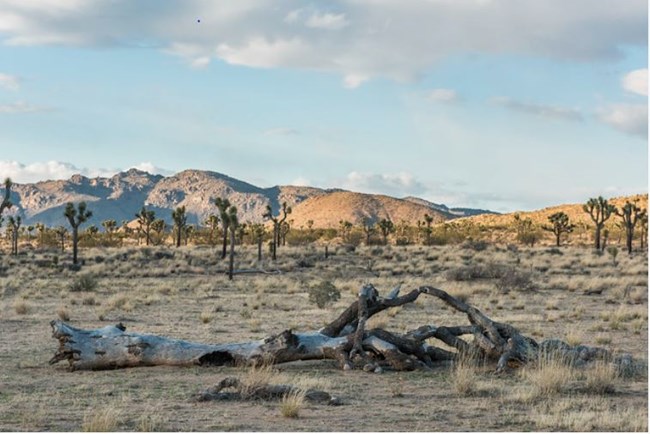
53,170
357,39
541,110
281,131
397,185
443,95
628,118
636,82
9,82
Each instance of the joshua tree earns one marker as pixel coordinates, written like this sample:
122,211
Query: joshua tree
6,203
368,229
223,205
61,232
345,228
560,225
180,222
631,214
40,227
285,227
145,219
386,227
212,222
428,220
277,222
644,229
242,231
257,232
233,222
76,217
14,224
158,227
600,211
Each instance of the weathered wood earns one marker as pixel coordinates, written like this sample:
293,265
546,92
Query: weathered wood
345,341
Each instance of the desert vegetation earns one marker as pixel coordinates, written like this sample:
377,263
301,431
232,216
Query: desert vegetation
180,284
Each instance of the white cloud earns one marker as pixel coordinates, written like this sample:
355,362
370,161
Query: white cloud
388,39
443,95
53,170
628,118
9,82
327,21
22,107
149,167
263,53
301,182
352,81
541,110
398,185
636,81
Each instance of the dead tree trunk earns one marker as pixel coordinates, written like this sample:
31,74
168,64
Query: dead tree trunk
344,340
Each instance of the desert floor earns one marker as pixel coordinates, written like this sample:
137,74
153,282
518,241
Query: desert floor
183,293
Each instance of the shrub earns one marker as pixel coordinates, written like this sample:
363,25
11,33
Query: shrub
85,282
292,403
476,245
514,279
324,293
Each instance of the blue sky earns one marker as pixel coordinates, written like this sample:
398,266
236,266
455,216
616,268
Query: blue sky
498,104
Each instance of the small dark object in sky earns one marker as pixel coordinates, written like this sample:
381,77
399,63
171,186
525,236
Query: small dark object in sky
198,21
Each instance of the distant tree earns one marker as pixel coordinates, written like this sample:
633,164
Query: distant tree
560,225
258,231
643,220
277,222
14,224
368,229
212,222
242,231
76,217
6,202
233,222
180,222
526,232
285,227
223,204
345,227
631,214
428,220
61,232
40,227
600,211
386,227
188,233
145,219
158,228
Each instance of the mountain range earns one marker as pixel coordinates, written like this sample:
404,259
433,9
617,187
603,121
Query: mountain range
121,196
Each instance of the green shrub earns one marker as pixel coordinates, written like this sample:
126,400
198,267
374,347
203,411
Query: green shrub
323,294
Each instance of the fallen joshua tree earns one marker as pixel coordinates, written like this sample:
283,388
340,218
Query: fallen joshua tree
345,340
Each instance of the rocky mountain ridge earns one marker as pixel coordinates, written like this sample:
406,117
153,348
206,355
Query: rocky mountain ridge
121,196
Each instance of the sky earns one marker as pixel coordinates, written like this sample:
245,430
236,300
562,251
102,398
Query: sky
499,104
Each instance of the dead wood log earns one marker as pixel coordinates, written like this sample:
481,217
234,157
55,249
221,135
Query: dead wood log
345,340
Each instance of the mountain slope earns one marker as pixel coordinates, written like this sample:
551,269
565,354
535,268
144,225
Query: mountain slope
121,196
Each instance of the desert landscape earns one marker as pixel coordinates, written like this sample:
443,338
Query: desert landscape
572,293
324,216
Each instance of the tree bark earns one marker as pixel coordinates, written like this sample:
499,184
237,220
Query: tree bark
75,242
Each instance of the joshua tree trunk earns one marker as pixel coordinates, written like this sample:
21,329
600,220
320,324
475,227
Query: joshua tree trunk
232,253
75,242
259,249
345,340
597,236
225,242
274,244
557,239
628,241
178,237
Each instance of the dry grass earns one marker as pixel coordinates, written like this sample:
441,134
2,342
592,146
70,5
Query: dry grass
292,403
21,307
548,377
63,313
102,419
600,378
252,306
